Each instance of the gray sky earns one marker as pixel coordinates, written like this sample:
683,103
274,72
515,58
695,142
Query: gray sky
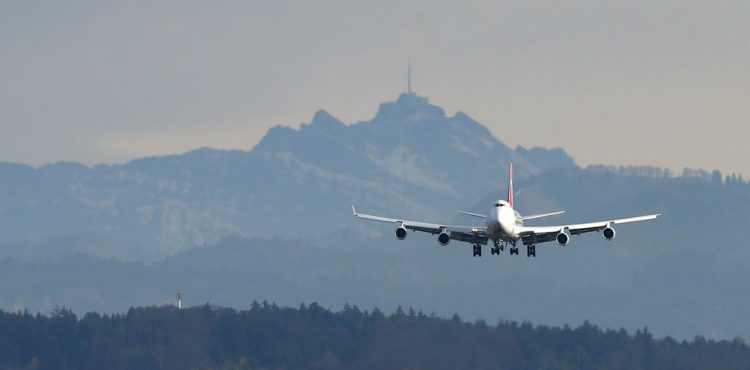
617,82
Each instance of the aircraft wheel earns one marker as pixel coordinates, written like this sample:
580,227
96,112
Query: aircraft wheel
477,251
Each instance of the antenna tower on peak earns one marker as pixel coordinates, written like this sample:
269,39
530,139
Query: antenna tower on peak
408,78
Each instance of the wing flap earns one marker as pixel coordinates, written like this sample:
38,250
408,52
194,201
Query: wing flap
542,234
532,238
469,238
461,232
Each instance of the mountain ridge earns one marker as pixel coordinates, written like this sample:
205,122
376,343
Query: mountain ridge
171,215
410,155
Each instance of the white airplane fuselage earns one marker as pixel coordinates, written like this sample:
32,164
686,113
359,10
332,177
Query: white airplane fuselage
502,221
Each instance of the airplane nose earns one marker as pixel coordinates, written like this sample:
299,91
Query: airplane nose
507,229
506,223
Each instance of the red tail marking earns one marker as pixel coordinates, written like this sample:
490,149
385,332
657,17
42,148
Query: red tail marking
510,185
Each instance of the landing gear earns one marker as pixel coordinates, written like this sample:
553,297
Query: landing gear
498,248
477,250
531,251
513,249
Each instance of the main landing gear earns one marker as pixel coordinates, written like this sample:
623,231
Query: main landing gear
530,251
478,250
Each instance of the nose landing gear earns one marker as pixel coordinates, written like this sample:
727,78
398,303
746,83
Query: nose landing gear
499,247
513,249
496,249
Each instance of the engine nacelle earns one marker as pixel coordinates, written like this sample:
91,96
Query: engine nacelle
444,238
401,233
562,238
608,233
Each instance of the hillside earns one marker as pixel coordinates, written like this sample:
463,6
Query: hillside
670,282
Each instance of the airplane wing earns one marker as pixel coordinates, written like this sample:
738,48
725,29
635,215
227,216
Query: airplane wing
472,214
534,217
543,234
471,234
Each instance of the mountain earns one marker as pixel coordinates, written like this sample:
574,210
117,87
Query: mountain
410,158
274,223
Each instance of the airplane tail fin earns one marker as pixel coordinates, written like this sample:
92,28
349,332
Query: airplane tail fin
510,184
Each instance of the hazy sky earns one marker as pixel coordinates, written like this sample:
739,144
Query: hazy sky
618,82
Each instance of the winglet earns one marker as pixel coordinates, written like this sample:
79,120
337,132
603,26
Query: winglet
354,211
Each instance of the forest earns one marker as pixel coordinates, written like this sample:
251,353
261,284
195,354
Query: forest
267,336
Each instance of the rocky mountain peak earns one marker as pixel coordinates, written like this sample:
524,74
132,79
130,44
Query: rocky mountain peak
408,106
325,120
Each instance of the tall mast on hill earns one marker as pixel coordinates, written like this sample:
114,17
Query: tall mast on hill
408,78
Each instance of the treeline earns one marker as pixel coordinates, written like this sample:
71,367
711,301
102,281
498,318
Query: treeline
311,337
714,176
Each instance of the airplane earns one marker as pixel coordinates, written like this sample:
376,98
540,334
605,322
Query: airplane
505,226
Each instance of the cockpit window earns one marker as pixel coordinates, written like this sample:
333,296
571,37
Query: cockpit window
498,204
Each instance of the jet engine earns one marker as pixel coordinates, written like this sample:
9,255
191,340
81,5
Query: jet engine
401,233
608,233
444,238
562,238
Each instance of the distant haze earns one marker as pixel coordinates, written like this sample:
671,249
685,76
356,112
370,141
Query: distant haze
638,82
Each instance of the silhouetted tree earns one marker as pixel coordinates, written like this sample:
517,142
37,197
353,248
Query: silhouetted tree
311,337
